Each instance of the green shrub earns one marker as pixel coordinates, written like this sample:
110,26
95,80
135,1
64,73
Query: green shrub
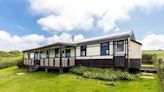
102,74
149,58
79,70
161,68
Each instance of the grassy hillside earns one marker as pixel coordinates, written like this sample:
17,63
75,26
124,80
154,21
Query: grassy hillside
159,53
14,53
67,82
11,58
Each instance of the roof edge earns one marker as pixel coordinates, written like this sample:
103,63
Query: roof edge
136,42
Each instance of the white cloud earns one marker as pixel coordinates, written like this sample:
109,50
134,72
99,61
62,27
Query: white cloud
61,23
64,37
13,42
78,37
67,15
153,42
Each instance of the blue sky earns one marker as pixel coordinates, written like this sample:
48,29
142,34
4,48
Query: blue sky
15,13
20,18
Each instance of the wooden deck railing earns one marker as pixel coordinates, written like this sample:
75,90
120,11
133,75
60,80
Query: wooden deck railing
52,62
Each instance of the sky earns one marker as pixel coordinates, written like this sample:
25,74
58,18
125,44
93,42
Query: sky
26,24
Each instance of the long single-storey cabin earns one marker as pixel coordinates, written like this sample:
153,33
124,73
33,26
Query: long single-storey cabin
119,50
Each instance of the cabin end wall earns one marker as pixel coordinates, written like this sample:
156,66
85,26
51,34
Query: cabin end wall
135,54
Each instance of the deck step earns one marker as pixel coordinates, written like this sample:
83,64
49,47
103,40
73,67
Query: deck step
147,73
33,68
148,69
147,77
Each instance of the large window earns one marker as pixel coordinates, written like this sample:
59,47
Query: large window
120,46
47,54
83,51
57,53
36,55
63,53
105,48
43,54
68,52
40,53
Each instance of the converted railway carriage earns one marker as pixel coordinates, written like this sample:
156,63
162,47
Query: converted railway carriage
119,50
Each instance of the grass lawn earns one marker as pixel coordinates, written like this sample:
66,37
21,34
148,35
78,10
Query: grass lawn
160,54
67,82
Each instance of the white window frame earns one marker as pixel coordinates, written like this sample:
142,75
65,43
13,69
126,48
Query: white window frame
120,53
107,52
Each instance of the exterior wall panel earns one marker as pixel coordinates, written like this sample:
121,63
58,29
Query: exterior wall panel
111,48
134,50
135,55
77,51
93,52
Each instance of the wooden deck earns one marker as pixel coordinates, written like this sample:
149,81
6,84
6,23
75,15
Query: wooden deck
54,62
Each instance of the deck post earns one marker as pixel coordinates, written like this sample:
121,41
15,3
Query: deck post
114,54
39,57
39,54
34,58
23,59
28,58
74,56
48,56
61,63
128,60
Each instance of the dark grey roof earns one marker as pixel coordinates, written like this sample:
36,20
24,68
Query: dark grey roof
128,34
53,44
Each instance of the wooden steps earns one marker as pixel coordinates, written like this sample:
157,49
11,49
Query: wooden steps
33,68
147,68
